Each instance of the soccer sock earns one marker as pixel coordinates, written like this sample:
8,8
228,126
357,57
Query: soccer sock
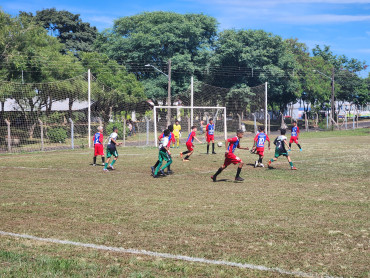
106,166
156,164
186,152
290,145
94,160
187,157
114,161
238,172
207,148
299,146
291,164
272,160
103,159
157,169
169,167
213,147
218,172
260,160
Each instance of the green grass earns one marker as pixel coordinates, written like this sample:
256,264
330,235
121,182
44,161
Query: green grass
314,220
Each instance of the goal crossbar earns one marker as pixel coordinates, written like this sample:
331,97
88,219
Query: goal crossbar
186,107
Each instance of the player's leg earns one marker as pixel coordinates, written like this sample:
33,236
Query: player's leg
291,163
103,159
169,162
186,158
115,154
273,159
213,146
237,177
160,159
299,146
223,167
154,166
260,160
94,160
109,155
178,141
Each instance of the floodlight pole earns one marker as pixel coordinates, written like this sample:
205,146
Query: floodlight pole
192,101
266,106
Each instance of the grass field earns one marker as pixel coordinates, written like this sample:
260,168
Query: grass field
314,220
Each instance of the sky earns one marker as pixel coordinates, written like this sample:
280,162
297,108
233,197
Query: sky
342,24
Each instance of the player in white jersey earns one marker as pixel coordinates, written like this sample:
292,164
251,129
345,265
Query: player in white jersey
111,149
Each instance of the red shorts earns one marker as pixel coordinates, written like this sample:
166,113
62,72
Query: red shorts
210,138
293,139
260,151
98,149
231,158
190,146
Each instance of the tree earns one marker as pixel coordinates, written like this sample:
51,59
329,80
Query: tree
75,34
155,38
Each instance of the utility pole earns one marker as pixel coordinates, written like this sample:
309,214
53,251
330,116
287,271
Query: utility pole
169,93
332,96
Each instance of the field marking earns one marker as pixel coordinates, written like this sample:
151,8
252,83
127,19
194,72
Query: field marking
166,255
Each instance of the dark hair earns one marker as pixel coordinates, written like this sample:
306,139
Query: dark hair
114,128
170,128
239,131
166,132
294,121
261,128
210,119
176,121
193,127
282,131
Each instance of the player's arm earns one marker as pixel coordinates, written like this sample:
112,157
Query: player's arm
115,142
286,144
242,148
268,140
227,145
197,139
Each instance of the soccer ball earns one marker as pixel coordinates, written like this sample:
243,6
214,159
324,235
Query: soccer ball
219,144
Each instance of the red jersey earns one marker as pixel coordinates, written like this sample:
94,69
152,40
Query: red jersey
233,143
260,139
171,138
191,137
98,138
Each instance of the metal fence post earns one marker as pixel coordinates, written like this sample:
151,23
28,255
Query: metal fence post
255,123
9,136
147,130
42,134
72,134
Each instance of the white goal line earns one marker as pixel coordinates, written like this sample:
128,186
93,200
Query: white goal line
165,255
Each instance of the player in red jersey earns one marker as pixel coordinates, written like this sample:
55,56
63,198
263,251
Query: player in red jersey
294,135
210,135
259,145
171,140
230,158
189,144
98,145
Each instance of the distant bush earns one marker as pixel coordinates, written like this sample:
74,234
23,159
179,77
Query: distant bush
57,135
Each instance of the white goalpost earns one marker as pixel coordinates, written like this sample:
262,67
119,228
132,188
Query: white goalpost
191,109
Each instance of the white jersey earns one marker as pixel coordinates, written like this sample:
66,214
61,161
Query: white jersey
282,138
113,136
163,143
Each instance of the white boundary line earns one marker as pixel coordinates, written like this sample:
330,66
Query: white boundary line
165,255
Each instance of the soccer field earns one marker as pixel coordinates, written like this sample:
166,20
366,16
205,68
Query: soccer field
314,221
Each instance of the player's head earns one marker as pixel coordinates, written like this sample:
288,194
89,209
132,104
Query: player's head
282,131
211,121
294,122
170,128
115,129
261,128
100,128
240,133
194,128
177,122
166,133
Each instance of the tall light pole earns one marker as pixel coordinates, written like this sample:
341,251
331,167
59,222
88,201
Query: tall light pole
332,106
169,88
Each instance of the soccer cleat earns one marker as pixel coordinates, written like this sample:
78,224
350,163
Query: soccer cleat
181,155
103,164
294,168
105,170
185,159
300,150
111,167
269,164
261,165
152,168
213,152
155,176
255,164
213,178
162,172
94,164
169,172
239,179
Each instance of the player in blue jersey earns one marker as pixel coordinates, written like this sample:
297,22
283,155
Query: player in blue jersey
294,135
210,135
259,145
230,158
98,145
189,144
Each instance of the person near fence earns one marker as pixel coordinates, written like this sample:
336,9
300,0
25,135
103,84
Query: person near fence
189,144
294,135
98,145
259,146
201,125
281,143
176,132
210,135
112,150
163,154
230,158
171,139
129,125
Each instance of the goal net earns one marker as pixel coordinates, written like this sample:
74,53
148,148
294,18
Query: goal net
188,116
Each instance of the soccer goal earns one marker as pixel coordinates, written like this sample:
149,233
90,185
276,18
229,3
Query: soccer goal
189,116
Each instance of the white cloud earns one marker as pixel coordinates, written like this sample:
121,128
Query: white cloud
323,18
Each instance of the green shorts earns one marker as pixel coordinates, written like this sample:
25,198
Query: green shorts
163,156
111,150
277,154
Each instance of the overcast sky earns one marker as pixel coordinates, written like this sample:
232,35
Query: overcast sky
342,24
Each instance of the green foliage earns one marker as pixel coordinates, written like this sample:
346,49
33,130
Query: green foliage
119,125
57,135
